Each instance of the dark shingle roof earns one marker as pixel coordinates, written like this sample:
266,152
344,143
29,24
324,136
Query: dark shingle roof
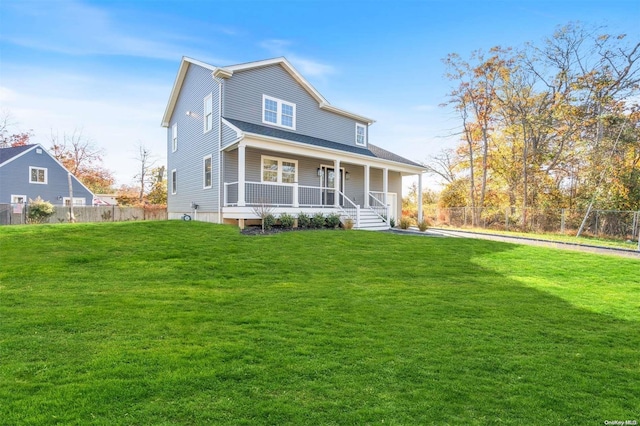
373,150
7,154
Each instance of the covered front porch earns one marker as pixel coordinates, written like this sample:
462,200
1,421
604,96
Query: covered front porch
292,179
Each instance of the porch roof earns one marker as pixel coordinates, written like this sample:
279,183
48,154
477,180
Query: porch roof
373,151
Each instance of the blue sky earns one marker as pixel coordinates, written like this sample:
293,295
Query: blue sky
107,67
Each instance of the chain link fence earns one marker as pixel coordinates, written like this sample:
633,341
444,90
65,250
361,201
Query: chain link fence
17,214
614,224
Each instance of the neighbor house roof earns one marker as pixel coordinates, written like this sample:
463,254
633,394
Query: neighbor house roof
372,151
7,154
227,72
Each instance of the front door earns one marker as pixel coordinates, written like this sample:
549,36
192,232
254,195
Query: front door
328,183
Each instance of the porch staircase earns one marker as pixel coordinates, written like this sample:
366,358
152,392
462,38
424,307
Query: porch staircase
370,221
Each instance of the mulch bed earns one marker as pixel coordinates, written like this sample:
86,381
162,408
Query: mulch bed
257,230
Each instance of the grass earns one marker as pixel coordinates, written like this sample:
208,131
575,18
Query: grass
565,238
191,323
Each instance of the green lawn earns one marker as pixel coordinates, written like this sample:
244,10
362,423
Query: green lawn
191,323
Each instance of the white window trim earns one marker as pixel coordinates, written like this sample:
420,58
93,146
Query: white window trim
209,99
365,134
83,201
174,137
174,181
278,122
204,173
14,196
46,175
279,160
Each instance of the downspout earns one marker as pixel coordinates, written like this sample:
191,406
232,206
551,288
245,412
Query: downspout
219,148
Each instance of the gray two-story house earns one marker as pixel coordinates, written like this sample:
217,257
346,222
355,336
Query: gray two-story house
258,135
29,171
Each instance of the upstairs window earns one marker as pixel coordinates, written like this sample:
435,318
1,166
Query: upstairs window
37,175
278,112
208,113
361,134
174,137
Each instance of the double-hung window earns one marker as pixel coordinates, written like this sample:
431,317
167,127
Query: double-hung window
361,134
207,175
279,170
174,137
38,175
278,112
174,181
208,113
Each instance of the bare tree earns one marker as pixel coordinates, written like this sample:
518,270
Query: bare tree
145,177
444,164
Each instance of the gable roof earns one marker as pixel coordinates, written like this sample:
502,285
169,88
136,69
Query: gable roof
227,72
372,151
7,154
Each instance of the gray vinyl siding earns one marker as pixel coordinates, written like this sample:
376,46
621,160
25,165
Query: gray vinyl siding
194,144
14,180
395,185
228,135
243,101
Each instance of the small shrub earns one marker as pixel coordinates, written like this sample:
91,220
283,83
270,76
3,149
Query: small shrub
405,222
304,221
268,221
348,223
286,220
423,225
318,220
333,220
39,211
392,222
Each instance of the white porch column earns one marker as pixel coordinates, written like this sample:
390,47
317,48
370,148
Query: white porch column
420,197
336,182
241,161
366,186
385,190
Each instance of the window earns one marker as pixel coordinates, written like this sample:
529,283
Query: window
361,134
206,163
18,199
174,137
279,170
37,175
77,201
278,112
208,113
174,181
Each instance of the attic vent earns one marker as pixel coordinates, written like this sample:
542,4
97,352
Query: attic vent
38,151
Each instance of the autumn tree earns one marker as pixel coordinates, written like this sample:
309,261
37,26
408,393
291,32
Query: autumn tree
7,137
83,159
144,178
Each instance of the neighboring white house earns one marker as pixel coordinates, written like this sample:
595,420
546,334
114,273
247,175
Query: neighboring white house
258,134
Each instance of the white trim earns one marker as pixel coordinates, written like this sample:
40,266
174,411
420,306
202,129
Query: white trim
24,197
364,134
279,160
204,172
234,128
208,100
46,175
295,148
174,181
279,113
21,154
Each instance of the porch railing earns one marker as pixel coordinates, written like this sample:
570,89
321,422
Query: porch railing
280,195
378,203
350,209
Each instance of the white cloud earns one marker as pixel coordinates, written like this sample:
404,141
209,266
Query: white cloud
307,67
